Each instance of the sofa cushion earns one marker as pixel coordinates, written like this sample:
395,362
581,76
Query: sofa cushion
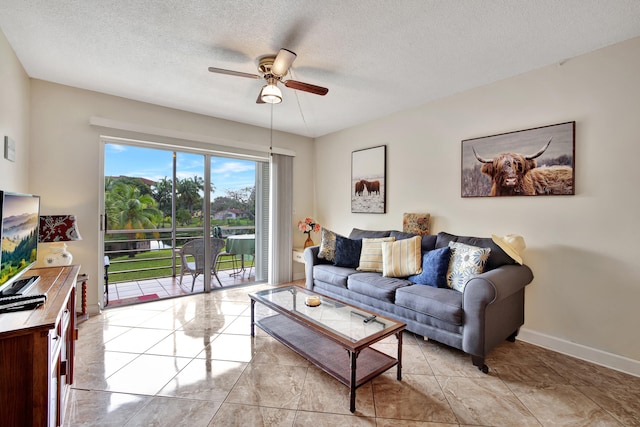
375,286
332,275
428,240
497,257
435,264
371,254
402,258
327,245
443,304
347,252
466,262
356,233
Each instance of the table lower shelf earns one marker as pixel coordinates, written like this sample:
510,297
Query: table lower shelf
325,353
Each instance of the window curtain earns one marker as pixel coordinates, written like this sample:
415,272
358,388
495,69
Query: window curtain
281,245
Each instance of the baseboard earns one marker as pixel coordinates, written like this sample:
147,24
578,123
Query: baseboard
599,357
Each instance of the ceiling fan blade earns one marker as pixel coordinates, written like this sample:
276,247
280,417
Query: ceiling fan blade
234,73
317,90
259,99
283,61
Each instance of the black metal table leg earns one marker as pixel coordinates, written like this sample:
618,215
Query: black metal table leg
253,323
399,336
352,404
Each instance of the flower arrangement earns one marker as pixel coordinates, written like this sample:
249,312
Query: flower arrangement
308,225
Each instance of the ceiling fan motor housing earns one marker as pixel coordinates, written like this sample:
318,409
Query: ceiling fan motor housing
265,65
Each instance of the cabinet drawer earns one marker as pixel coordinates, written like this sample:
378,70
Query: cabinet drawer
298,255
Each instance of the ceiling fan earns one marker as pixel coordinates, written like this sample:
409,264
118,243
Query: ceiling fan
273,69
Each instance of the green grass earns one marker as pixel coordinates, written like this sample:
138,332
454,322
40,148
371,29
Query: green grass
161,267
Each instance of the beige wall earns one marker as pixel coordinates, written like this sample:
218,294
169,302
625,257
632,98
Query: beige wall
14,119
66,154
582,248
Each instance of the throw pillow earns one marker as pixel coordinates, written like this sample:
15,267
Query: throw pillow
435,264
347,252
402,258
327,245
371,254
466,262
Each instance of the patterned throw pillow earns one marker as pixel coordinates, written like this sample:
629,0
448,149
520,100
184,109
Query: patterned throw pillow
327,245
371,254
434,268
402,258
466,262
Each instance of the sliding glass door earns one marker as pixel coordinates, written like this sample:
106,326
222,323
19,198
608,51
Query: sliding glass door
157,199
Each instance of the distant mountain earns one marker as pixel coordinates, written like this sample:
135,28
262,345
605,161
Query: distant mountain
16,227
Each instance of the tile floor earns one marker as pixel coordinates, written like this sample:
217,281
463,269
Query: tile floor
124,293
191,361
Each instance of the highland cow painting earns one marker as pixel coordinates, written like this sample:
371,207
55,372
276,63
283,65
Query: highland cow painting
532,162
368,180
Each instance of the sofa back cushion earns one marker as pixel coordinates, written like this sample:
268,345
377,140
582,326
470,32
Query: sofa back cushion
428,240
357,233
497,257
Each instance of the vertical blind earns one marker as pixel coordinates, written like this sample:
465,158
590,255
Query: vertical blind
281,246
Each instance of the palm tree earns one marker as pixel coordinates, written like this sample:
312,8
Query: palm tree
189,193
163,194
127,209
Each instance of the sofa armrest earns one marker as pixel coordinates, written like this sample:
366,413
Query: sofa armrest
310,259
496,285
493,304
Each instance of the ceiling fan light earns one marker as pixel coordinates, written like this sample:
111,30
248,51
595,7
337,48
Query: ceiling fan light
271,94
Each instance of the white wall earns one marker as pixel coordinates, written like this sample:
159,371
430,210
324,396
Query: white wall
66,155
14,119
582,248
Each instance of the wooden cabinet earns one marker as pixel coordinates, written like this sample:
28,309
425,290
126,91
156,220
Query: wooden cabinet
37,352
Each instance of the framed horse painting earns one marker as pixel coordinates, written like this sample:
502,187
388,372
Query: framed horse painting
368,180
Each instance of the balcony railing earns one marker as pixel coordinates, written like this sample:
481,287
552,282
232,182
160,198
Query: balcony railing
149,254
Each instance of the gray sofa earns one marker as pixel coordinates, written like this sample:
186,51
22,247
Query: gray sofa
488,311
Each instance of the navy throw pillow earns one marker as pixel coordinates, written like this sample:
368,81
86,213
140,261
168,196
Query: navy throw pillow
434,268
347,252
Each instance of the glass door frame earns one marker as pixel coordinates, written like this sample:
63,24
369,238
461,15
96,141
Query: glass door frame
174,149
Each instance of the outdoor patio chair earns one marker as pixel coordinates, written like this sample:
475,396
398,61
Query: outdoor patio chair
192,258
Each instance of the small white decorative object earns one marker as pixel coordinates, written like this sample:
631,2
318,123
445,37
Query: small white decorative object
58,255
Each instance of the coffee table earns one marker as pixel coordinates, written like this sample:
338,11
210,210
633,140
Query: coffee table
334,336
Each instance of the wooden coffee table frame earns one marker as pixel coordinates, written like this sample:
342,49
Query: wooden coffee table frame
351,363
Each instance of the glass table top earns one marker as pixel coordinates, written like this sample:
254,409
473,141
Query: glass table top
349,322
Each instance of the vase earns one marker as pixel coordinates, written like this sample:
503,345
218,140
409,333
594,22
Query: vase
308,242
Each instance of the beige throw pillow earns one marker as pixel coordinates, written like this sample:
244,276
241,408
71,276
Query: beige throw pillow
371,254
402,258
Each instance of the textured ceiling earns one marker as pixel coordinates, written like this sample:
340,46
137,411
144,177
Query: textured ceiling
375,56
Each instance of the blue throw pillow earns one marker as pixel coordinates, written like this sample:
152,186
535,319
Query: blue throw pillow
434,268
347,252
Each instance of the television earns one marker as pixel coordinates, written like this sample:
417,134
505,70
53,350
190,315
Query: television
19,221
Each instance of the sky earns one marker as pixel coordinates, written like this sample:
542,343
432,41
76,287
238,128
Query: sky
226,173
